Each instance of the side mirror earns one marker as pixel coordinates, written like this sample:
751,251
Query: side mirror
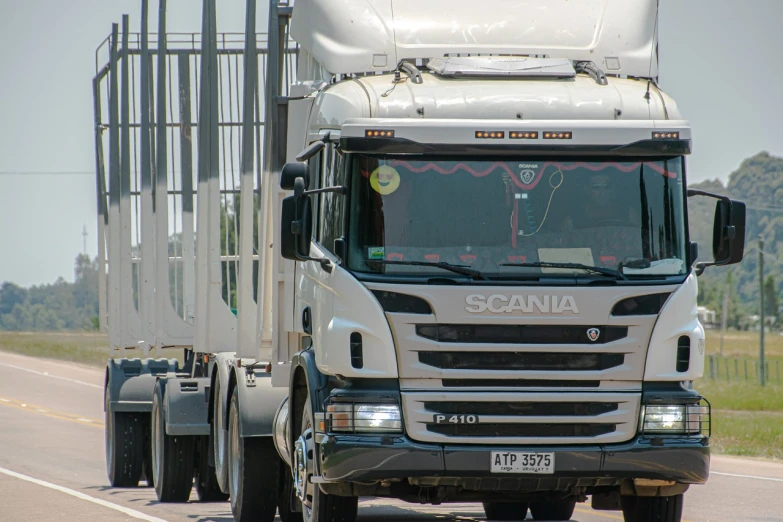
290,172
728,231
296,228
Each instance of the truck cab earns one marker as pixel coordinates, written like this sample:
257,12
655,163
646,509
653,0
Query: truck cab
484,222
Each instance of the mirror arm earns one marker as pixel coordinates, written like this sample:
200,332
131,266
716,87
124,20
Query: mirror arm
314,148
695,192
336,190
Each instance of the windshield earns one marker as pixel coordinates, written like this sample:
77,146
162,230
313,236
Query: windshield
510,217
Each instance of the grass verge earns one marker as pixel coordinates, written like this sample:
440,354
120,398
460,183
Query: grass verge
748,434
78,347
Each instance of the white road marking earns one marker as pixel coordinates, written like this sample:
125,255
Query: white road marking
771,479
116,507
46,374
84,420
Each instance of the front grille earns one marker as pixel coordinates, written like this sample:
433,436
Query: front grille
522,409
518,383
520,334
521,417
521,430
551,361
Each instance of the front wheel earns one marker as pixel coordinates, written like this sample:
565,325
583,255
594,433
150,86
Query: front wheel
505,510
317,506
562,510
652,509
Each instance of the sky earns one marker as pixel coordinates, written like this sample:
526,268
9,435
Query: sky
719,59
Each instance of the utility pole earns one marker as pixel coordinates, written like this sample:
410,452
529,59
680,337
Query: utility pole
762,367
84,235
725,316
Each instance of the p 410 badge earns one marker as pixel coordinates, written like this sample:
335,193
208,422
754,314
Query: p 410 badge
441,418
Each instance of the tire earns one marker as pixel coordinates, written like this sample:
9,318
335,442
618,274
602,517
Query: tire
124,437
172,455
146,474
220,439
505,510
253,472
207,487
561,510
652,509
287,496
323,507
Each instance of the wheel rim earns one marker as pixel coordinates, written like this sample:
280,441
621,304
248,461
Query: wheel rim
220,438
156,442
303,467
233,448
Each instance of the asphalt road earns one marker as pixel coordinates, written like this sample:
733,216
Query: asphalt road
52,465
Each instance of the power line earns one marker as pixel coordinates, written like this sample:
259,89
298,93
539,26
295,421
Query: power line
46,173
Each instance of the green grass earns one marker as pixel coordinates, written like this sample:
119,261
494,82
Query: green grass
748,434
744,344
741,396
79,347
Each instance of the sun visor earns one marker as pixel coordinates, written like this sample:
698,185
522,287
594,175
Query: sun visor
353,36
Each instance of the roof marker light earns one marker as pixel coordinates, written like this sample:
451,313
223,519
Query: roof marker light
523,135
666,135
492,135
559,135
378,133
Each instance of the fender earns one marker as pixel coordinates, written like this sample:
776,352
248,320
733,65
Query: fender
316,381
186,405
130,383
221,370
258,403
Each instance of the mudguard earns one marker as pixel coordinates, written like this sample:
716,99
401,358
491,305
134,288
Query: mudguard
221,369
258,403
130,383
186,405
316,381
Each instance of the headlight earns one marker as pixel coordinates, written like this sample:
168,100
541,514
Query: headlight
681,418
664,419
350,417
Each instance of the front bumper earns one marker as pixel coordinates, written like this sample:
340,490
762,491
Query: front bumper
358,458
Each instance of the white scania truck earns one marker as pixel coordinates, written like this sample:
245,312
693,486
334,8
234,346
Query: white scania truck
471,278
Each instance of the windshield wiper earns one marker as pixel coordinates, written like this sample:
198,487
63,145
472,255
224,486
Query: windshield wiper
597,269
459,269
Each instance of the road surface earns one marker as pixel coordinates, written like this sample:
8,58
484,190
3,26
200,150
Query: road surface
52,465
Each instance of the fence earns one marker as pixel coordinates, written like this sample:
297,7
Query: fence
741,369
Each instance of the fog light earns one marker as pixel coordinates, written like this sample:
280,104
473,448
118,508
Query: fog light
377,417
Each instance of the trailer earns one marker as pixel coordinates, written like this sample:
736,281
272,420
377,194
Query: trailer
427,252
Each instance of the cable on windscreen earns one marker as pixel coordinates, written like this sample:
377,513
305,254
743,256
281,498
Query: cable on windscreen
548,205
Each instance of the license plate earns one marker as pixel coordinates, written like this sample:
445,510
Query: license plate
522,462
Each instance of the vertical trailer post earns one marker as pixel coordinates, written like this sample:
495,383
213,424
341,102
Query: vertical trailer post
100,192
147,246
